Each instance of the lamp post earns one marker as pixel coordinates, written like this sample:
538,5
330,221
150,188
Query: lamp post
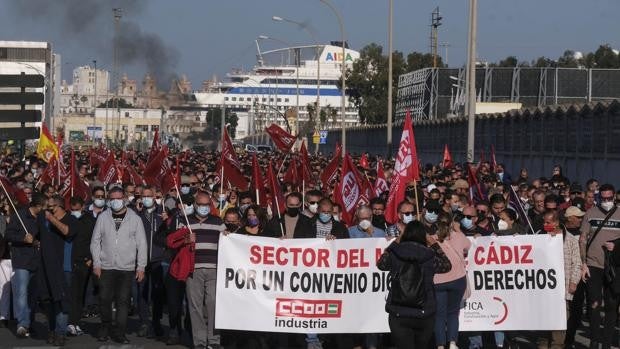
344,72
390,82
318,64
95,105
471,80
265,37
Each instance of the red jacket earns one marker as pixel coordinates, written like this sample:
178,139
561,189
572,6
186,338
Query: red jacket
183,263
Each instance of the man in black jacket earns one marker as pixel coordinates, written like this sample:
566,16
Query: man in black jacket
292,224
81,262
24,241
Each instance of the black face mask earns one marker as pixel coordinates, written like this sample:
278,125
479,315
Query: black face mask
378,220
292,211
231,227
481,216
410,193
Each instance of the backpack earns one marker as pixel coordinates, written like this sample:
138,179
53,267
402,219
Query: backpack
407,286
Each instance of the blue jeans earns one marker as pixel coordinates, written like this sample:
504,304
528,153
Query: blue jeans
56,318
312,338
499,339
21,297
449,296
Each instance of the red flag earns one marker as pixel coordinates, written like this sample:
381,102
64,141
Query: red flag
282,139
350,191
258,183
447,158
481,155
493,161
108,171
155,147
76,187
475,190
380,184
8,185
291,175
304,166
331,170
405,170
157,169
278,203
364,162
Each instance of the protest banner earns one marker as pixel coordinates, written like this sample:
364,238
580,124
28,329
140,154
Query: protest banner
301,285
517,283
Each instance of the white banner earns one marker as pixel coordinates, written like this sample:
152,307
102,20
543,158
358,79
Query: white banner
517,283
301,286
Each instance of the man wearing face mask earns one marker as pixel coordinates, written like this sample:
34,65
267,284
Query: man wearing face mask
364,227
468,222
119,251
81,262
245,200
154,275
431,213
377,205
600,295
326,226
205,229
56,258
312,203
292,224
406,214
450,202
25,258
98,204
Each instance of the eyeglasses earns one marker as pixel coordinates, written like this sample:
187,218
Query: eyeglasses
313,202
468,217
607,198
482,212
99,196
406,213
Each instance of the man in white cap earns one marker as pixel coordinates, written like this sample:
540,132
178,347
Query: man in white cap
573,218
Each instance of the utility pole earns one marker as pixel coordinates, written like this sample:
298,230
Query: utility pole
95,106
117,18
471,80
390,82
435,23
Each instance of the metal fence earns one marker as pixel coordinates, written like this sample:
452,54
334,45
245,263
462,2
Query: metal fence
434,93
583,139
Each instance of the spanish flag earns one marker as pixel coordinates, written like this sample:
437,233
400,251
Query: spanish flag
47,149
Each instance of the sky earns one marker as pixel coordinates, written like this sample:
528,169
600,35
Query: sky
203,38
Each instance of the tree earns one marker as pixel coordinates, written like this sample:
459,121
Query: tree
368,79
510,61
543,62
605,57
568,60
417,60
214,121
122,103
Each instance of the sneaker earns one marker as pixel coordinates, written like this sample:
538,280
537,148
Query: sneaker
79,330
453,345
143,331
120,339
72,331
22,332
103,335
315,345
173,339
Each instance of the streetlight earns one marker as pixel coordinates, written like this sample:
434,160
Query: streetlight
297,61
95,104
344,72
318,66
471,80
390,81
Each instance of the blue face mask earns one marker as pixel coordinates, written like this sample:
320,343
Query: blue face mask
467,223
117,204
325,217
185,190
76,214
148,202
99,203
431,217
203,210
407,218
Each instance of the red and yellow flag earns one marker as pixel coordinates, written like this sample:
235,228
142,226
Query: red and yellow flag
47,149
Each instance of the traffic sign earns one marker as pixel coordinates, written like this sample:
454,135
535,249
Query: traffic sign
323,137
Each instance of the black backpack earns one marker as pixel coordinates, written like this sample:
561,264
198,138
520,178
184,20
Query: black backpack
407,285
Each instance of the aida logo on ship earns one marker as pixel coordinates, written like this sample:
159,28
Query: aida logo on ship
337,57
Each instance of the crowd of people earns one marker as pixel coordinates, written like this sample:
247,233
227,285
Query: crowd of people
131,248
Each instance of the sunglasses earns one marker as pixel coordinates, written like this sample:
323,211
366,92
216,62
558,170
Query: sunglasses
469,217
407,213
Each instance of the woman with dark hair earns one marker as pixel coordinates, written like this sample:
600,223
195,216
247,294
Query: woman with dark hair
412,324
508,223
254,221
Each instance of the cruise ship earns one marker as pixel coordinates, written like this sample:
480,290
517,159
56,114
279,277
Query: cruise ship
282,80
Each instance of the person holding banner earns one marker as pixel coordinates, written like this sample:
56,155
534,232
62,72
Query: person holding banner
292,224
412,324
406,213
253,222
205,229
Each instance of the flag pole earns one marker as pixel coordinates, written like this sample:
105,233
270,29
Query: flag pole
13,206
279,214
417,201
282,166
518,200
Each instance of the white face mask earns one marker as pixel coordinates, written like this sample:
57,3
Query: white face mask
502,225
607,205
314,208
407,218
365,224
336,218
